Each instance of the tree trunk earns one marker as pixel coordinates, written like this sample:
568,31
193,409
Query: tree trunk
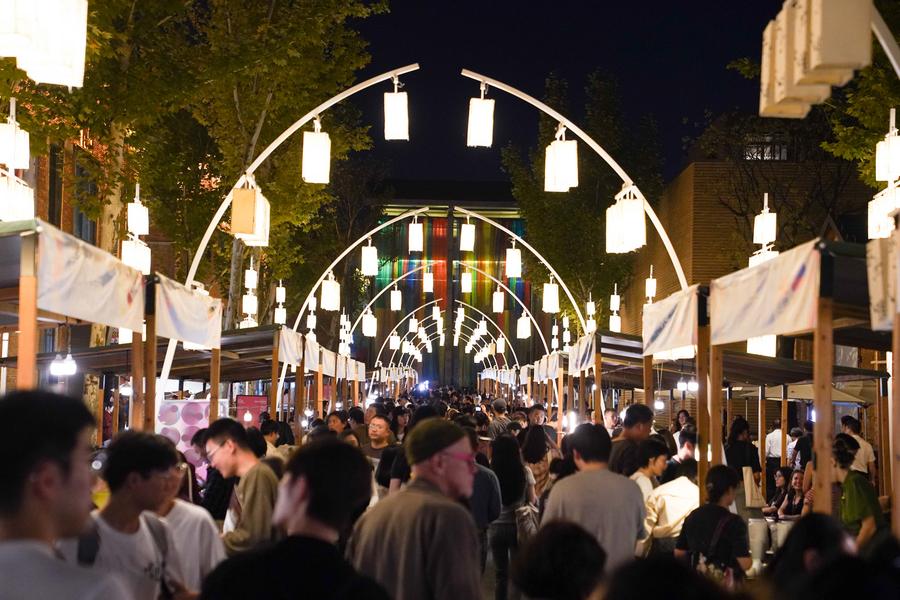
234,283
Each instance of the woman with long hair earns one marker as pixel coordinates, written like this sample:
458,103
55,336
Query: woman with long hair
516,488
400,422
782,482
792,505
537,452
740,453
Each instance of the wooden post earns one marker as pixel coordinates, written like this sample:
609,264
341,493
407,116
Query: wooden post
136,414
762,438
355,400
276,372
884,440
26,359
597,391
115,412
648,380
101,407
559,404
215,376
823,431
320,389
894,447
300,395
149,424
784,426
715,403
704,388
570,391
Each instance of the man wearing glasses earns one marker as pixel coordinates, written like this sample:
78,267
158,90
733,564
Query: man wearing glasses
421,543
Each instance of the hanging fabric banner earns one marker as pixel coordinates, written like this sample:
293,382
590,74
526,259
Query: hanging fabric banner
187,315
882,271
523,374
329,362
582,356
777,297
311,351
340,369
672,322
290,346
360,371
82,281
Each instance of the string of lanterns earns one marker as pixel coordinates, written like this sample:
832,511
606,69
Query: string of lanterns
16,196
887,169
765,231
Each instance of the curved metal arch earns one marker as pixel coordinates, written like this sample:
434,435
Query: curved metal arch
676,263
492,337
494,323
432,337
515,297
394,328
427,264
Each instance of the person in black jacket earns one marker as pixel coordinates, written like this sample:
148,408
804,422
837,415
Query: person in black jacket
740,453
217,490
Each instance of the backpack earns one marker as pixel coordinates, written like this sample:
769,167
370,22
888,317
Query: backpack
722,574
89,547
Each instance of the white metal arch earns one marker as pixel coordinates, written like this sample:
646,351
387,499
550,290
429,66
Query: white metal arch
394,282
494,323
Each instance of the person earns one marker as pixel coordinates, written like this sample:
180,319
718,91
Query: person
250,511
812,543
661,577
687,442
611,423
561,561
269,431
681,419
217,490
537,452
400,470
421,543
348,436
256,442
653,454
667,507
860,513
792,505
793,458
803,449
516,489
337,421
193,530
713,536
45,495
379,431
355,417
773,457
325,483
399,422
636,428
618,521
864,461
782,482
485,501
500,423
740,453
126,537
537,417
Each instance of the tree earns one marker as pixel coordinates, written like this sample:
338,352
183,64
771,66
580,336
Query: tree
569,230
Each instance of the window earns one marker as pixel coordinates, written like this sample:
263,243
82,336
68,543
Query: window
82,226
56,185
765,147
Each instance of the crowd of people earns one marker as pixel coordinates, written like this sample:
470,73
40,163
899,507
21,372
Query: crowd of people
415,498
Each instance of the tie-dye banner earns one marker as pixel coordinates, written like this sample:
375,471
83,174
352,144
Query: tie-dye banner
672,322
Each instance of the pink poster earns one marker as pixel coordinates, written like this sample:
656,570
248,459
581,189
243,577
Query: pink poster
249,407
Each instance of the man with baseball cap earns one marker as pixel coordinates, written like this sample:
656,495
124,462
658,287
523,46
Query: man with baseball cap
500,424
421,543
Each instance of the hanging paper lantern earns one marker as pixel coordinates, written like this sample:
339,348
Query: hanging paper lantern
48,39
416,236
428,282
435,312
249,304
250,211
413,324
650,286
396,116
551,297
626,228
497,301
316,162
523,327
136,254
280,293
561,164
441,340
331,294
280,315
615,300
513,261
501,344
765,224
467,237
369,324
480,130
396,299
591,325
311,321
369,260
466,282
16,198
394,342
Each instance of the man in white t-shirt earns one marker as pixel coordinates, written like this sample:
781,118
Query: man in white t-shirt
45,494
194,531
864,462
126,538
773,457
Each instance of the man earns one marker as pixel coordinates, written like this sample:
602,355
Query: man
45,495
618,521
126,537
501,421
793,458
803,450
379,438
216,489
325,483
537,416
485,502
667,508
687,441
355,417
653,454
864,461
195,533
773,457
249,520
636,428
269,431
421,543
611,423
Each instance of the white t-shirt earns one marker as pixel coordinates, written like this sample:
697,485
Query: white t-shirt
197,539
133,557
29,570
864,456
643,482
773,444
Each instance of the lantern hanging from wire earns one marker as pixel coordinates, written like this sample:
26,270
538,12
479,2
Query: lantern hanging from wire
416,235
561,163
465,282
626,228
396,113
427,282
331,294
467,237
316,162
480,129
550,303
513,261
369,260
396,299
369,324
497,301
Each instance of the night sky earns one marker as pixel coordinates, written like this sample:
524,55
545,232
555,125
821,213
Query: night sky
668,56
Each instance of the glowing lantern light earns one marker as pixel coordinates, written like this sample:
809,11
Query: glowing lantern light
480,130
765,345
369,324
615,301
765,224
394,342
250,212
369,260
650,287
561,163
466,282
311,321
136,253
396,114
626,228
416,236
467,237
428,282
501,344
331,294
15,151
497,301
436,312
138,215
550,302
615,323
513,261
413,324
523,327
316,162
48,39
396,299
16,198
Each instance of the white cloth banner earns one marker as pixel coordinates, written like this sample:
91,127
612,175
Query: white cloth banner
329,362
777,297
542,369
311,352
187,315
672,322
523,374
881,267
554,364
360,371
82,281
582,356
340,368
290,346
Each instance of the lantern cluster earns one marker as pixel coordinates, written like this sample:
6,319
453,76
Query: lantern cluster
765,231
250,303
615,303
135,253
626,229
16,197
887,169
561,163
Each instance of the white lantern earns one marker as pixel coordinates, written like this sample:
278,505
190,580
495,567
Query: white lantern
436,312
626,228
421,333
465,281
396,115
615,323
249,304
250,212
16,198
497,301
480,130
136,254
561,163
467,237
331,294
441,340
427,282
513,261
413,324
501,345
15,151
523,327
765,224
369,260
591,308
887,158
316,162
138,215
615,301
456,340
428,346
394,342
567,337
251,277
765,345
554,344
311,336
396,299
550,302
369,324
56,39
311,321
280,293
460,313
416,236
280,315
880,223
590,325
555,329
650,286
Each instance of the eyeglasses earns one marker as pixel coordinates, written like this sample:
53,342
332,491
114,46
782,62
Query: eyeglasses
209,455
466,457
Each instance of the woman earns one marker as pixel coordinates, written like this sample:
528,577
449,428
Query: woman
399,422
861,513
741,453
516,488
653,453
782,475
814,541
680,420
713,538
337,421
537,452
792,505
